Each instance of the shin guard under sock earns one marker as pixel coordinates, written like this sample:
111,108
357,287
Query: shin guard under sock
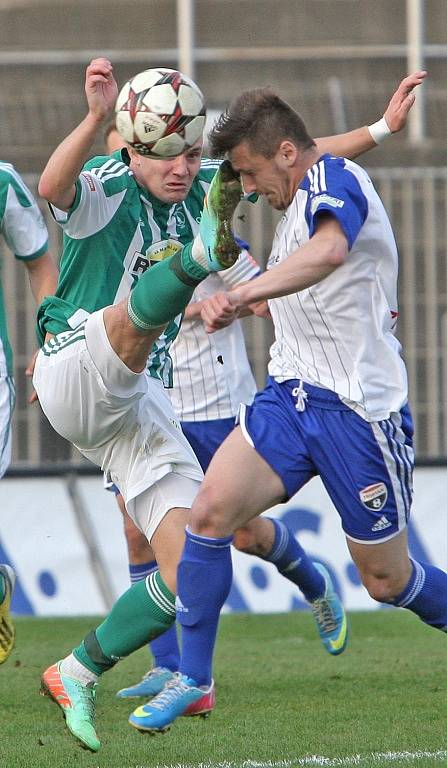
292,562
146,610
203,582
426,595
164,648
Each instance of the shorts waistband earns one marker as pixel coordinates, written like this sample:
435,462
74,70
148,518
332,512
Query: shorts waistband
314,395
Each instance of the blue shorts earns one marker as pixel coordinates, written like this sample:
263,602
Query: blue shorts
205,437
365,467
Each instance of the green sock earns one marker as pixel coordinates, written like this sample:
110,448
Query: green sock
164,290
2,588
145,611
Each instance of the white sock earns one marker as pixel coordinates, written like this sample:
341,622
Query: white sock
73,668
198,253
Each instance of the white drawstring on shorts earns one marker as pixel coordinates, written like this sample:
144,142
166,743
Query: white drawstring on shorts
301,397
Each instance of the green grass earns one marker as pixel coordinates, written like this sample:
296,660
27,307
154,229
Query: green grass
280,697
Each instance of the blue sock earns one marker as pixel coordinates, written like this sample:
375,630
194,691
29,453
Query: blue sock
293,563
204,579
426,595
140,571
164,648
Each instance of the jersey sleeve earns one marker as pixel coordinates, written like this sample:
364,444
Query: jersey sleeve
334,189
21,220
100,190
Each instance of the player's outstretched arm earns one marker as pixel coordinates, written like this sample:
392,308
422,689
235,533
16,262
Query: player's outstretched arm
57,183
360,140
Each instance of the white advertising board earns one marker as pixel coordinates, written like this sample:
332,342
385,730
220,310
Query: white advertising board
71,559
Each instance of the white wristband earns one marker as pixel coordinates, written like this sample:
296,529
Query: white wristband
379,131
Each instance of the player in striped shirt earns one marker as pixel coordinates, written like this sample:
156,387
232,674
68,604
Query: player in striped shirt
119,214
25,234
336,400
211,377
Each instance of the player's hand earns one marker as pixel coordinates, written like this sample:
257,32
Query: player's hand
101,89
402,100
261,309
219,311
29,370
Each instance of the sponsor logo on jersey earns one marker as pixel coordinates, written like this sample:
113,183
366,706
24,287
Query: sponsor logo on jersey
334,202
155,253
374,496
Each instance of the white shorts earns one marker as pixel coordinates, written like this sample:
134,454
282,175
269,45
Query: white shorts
7,400
149,508
121,420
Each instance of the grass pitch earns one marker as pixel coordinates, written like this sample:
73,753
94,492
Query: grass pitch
282,700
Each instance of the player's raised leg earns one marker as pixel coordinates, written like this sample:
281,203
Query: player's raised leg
163,291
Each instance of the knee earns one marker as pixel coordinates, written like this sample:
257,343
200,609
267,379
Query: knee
384,587
209,514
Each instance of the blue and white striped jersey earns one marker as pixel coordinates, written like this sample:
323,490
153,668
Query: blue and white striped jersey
339,333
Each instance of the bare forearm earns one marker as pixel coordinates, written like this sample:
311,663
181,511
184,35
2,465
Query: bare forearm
350,145
43,275
302,269
58,179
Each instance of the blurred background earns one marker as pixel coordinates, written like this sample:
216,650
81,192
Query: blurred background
337,62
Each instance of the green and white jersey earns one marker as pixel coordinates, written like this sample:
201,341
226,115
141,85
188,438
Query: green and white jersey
25,233
113,232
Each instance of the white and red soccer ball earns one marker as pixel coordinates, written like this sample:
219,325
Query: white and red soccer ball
160,112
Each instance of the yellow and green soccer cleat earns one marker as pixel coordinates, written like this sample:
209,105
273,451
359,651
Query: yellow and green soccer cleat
7,631
77,702
330,617
215,229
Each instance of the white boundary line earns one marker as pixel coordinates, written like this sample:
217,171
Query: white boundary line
373,758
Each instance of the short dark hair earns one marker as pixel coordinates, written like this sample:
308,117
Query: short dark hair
262,119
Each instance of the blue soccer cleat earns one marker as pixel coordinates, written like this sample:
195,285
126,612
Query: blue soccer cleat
330,617
215,229
7,631
179,697
150,685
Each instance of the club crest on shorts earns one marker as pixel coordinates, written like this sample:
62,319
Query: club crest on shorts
374,496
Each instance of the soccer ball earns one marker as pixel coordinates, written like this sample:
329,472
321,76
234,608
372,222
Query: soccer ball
160,112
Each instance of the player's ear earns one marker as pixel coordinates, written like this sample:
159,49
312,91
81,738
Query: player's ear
286,154
135,157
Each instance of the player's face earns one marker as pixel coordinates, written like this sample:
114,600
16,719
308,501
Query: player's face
265,176
168,180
